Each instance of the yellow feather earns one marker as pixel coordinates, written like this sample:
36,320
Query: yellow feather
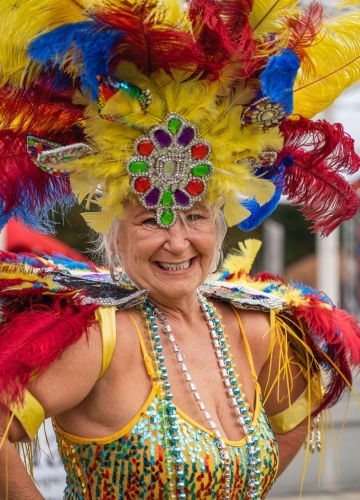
336,66
234,212
266,15
242,259
20,23
101,221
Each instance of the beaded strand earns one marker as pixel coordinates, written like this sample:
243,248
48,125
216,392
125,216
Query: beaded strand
233,387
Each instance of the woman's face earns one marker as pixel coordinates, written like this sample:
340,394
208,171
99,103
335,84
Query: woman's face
169,262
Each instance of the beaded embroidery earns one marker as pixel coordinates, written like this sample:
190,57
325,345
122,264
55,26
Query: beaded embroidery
170,168
133,466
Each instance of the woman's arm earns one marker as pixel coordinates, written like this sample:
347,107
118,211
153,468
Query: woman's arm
15,482
62,387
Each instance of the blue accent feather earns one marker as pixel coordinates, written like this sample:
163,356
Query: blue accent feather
60,259
278,77
91,39
259,213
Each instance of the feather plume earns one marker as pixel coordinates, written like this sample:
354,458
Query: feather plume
224,32
242,260
84,48
26,192
338,42
259,213
21,23
311,176
34,339
149,41
266,15
234,212
44,109
304,28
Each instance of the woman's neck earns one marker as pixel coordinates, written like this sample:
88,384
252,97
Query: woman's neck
184,310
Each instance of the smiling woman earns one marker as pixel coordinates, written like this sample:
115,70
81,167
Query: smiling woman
172,260
176,121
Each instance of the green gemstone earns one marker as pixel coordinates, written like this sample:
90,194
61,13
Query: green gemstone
31,142
167,198
138,167
201,170
174,125
167,217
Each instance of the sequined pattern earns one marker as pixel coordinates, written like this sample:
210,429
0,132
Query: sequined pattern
132,465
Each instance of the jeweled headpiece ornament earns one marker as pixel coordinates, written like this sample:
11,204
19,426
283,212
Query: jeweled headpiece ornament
171,104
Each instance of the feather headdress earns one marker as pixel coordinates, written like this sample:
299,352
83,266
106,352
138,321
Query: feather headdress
175,104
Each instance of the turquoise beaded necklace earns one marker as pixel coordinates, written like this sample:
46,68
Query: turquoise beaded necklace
168,416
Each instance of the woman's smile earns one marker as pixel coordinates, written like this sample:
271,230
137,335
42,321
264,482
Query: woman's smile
175,266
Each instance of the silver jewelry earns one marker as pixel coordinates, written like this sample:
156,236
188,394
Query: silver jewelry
114,262
233,387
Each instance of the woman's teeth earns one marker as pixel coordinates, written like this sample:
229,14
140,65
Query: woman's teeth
174,267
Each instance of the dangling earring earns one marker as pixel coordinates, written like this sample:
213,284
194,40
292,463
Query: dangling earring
122,279
113,265
220,261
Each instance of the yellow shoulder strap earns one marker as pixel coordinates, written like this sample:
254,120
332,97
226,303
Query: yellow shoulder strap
299,410
147,359
30,414
107,320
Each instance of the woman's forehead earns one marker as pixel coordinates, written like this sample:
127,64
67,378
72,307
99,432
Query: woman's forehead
135,208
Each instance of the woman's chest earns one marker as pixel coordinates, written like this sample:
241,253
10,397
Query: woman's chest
142,461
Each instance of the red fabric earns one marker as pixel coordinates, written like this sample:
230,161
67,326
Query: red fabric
20,239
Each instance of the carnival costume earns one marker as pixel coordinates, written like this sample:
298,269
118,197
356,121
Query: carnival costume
172,104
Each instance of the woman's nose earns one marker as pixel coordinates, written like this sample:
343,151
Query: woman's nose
177,238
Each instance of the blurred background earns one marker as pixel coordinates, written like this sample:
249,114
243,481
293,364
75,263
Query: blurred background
289,249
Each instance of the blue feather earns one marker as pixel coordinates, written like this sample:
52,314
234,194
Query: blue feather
60,259
259,213
278,77
90,38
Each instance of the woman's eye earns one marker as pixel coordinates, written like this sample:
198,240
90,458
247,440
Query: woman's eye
149,222
194,217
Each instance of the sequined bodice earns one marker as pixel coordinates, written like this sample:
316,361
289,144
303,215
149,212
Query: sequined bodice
131,463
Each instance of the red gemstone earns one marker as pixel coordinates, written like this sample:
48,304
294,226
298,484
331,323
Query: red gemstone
199,151
195,188
142,184
145,148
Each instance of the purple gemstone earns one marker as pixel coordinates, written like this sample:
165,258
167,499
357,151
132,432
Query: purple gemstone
181,198
153,197
186,136
163,138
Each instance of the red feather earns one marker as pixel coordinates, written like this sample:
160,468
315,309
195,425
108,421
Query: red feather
304,29
337,333
22,183
44,109
314,154
225,34
33,340
148,42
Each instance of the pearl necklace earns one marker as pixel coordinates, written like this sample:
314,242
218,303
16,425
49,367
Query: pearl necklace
232,385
